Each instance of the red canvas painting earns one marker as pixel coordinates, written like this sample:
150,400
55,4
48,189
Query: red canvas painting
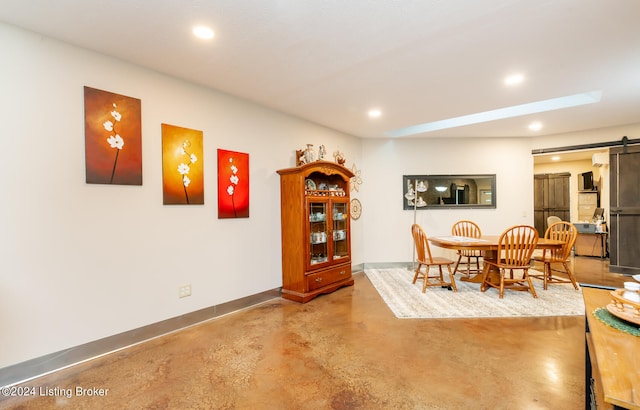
233,184
112,138
182,166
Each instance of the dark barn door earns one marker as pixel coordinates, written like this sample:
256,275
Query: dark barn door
550,197
625,209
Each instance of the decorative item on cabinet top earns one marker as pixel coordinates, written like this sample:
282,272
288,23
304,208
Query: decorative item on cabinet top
307,155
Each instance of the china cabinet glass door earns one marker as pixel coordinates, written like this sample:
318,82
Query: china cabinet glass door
340,230
318,243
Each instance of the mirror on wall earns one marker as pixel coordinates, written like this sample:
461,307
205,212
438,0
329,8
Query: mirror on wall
449,191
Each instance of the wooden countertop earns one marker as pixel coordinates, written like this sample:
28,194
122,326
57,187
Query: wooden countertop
617,354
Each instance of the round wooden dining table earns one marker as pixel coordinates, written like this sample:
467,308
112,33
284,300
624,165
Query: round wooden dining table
488,244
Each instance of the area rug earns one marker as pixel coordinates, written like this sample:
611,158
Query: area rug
407,300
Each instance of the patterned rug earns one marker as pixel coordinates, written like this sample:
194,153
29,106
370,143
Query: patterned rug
407,301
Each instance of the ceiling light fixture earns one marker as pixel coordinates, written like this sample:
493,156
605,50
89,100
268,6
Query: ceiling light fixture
535,126
375,113
203,32
556,158
501,113
514,79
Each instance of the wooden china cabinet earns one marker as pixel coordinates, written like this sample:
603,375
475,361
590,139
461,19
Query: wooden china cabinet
316,235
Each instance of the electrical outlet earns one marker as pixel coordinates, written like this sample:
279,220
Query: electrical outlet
184,291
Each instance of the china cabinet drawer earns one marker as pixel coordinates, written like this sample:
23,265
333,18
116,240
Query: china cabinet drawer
327,277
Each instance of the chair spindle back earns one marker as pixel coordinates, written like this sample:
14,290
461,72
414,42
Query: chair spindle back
516,245
422,244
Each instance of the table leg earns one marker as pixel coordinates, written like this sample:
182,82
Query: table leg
494,272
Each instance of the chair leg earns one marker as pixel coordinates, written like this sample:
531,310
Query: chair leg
453,279
425,278
415,277
455,269
531,288
502,273
485,274
570,274
547,276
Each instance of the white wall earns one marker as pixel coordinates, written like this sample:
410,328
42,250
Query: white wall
387,225
80,262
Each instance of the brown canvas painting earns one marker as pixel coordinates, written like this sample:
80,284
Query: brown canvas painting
182,166
113,138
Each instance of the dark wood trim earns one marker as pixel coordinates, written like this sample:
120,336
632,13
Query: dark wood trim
594,145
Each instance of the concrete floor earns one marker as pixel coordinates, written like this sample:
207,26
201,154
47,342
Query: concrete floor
344,350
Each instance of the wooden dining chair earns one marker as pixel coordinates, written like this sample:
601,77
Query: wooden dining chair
424,258
515,247
468,229
567,233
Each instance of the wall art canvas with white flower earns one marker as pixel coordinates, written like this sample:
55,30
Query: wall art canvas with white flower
233,184
182,166
113,138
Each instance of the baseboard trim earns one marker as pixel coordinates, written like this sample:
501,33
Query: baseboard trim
388,265
40,366
357,268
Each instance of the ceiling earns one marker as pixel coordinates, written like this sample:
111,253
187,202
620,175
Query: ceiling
417,61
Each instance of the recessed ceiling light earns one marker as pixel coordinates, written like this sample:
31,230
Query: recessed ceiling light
514,79
535,126
203,32
501,113
556,158
375,113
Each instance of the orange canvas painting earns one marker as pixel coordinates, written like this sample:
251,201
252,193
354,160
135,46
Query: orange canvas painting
113,138
233,184
182,166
